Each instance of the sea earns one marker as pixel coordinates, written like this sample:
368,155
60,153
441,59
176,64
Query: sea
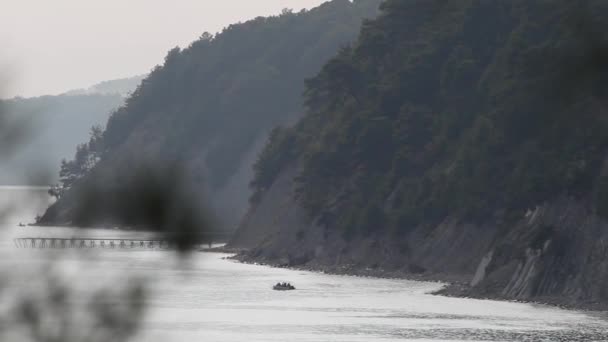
154,294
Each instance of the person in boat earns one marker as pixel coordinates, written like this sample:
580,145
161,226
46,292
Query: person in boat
284,286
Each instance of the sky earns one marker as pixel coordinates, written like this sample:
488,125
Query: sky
51,46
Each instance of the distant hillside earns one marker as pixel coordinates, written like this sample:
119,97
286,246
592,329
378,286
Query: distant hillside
212,104
56,124
122,87
455,140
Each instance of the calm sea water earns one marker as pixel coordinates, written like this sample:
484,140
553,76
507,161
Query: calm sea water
208,298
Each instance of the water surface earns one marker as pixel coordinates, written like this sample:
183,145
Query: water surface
209,298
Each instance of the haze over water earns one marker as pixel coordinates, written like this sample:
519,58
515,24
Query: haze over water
209,298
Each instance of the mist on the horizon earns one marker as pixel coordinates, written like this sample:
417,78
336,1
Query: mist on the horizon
55,46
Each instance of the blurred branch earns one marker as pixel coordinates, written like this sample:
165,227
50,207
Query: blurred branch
55,314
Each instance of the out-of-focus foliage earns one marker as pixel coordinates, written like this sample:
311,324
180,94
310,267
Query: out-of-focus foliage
462,108
210,103
42,306
151,195
56,312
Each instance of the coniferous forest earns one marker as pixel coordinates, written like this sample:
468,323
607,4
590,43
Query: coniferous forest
428,115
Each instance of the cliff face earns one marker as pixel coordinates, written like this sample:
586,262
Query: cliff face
277,230
556,253
461,141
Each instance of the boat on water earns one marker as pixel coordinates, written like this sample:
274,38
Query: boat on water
283,287
21,224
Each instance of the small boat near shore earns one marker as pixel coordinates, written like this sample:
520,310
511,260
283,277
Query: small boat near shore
283,287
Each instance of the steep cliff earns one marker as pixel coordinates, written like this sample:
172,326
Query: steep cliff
460,141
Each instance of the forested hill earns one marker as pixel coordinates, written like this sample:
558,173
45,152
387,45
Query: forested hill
211,105
457,140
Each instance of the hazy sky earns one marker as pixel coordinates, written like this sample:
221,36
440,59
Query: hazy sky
51,46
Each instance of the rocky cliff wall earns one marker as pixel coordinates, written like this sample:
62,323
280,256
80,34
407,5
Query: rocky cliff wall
556,253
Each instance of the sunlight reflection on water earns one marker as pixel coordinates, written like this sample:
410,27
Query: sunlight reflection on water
213,299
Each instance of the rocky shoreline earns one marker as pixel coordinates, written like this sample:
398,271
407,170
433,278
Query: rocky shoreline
453,287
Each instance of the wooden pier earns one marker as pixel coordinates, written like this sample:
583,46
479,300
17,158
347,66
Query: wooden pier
108,243
44,242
